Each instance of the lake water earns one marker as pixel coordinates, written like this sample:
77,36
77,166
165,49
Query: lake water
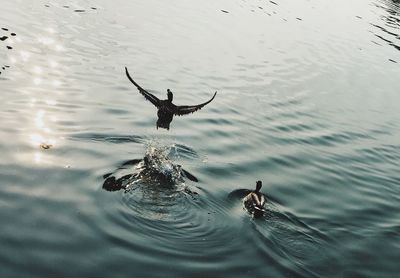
308,102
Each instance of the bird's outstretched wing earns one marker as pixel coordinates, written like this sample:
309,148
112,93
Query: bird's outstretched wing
187,109
153,99
188,175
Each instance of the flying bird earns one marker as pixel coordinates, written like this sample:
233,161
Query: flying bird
166,109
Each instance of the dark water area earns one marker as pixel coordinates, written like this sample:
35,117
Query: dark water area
308,102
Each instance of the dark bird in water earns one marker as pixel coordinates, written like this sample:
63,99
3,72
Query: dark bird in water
166,109
154,168
254,201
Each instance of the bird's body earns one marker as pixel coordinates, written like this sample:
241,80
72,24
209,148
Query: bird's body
154,168
166,109
165,114
254,201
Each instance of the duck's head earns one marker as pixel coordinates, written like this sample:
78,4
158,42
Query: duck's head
170,95
258,186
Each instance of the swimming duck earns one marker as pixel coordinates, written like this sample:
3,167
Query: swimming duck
254,201
166,109
153,168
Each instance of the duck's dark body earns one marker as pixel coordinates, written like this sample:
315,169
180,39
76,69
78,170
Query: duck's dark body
165,114
166,109
153,170
254,201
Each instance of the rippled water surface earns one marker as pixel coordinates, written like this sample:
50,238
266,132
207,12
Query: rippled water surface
308,102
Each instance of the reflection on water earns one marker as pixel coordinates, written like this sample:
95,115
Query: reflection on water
41,109
307,103
390,31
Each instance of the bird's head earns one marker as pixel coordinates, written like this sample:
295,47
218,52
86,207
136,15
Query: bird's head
170,95
258,186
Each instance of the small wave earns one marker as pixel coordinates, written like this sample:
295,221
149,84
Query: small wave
116,139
